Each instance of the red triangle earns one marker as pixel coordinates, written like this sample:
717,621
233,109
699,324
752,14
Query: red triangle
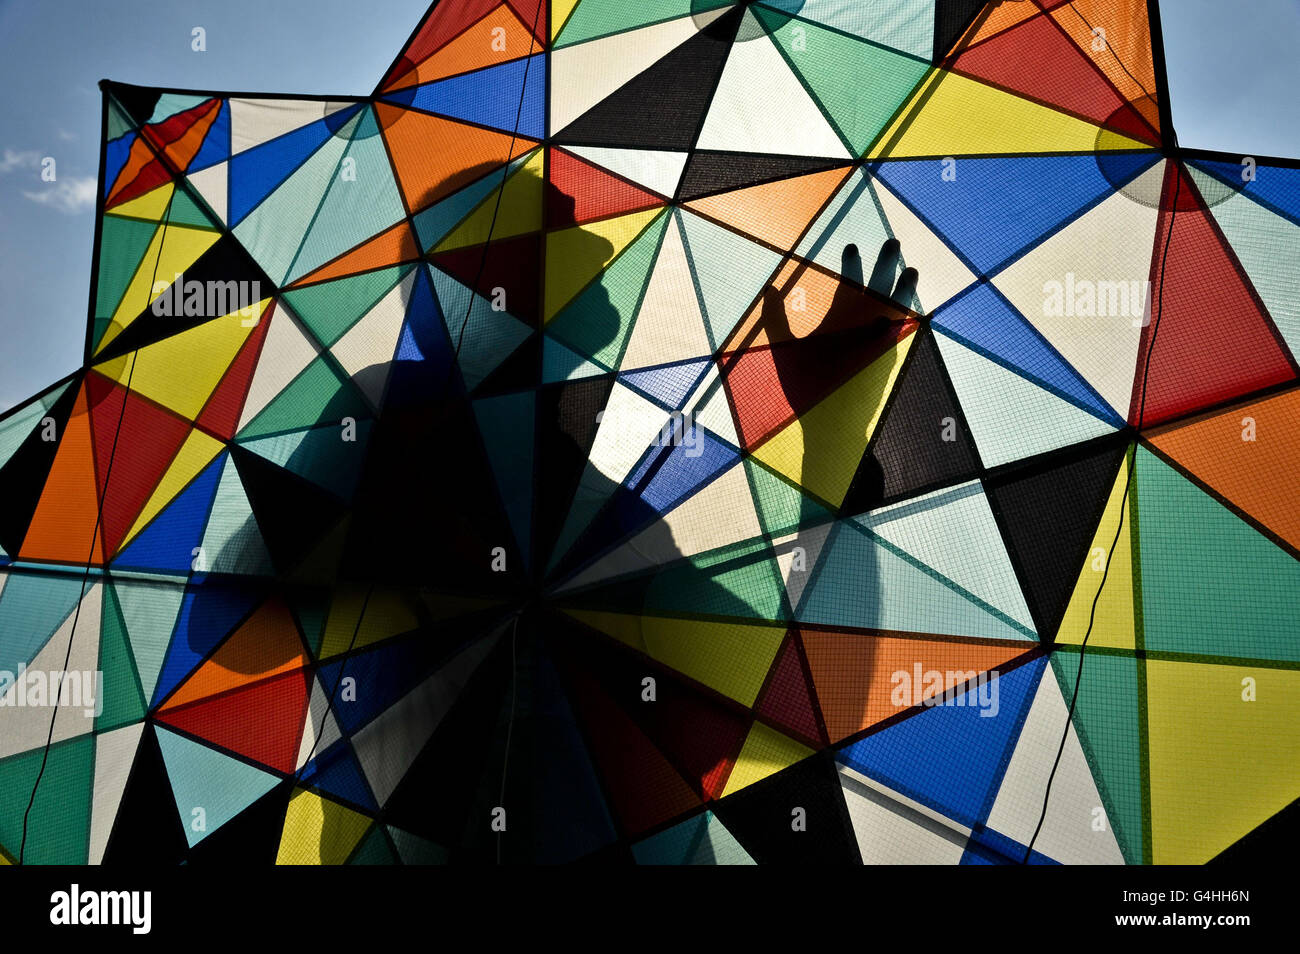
263,722
220,416
1215,341
147,438
644,788
787,700
581,192
1038,60
512,264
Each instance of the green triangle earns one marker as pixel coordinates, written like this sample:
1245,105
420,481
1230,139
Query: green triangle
1211,583
305,402
742,581
331,308
122,248
597,323
1107,720
374,850
859,84
186,211
415,850
123,701
782,508
597,18
58,829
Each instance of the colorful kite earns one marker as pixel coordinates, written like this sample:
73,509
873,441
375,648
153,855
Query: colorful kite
681,431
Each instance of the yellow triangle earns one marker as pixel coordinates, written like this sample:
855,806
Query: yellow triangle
732,658
953,115
197,452
152,205
765,752
821,450
575,256
318,831
387,614
182,371
1219,765
1113,626
520,212
173,249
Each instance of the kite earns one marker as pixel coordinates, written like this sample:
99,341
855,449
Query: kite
675,432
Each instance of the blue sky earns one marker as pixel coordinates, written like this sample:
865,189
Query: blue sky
1233,78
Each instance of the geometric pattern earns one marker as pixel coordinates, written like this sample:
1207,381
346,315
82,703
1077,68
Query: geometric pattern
670,433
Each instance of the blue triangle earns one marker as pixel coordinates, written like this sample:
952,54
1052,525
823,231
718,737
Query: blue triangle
168,543
1275,187
257,172
670,383
951,756
984,321
336,772
996,208
115,156
489,97
216,146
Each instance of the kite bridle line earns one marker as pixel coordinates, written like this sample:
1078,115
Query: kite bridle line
446,384
1171,157
1123,504
99,512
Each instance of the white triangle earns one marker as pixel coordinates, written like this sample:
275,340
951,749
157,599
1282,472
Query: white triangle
114,756
717,515
1112,245
809,541
1071,832
714,413
285,353
316,721
940,273
27,720
586,73
366,351
669,326
1012,418
657,171
212,184
760,106
894,830
255,121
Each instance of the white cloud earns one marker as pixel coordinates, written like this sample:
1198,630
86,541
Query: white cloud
11,160
67,195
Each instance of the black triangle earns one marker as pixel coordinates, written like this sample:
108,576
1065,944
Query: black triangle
293,514
566,426
137,102
1048,509
1267,845
663,107
951,19
22,478
910,452
708,172
760,816
226,261
147,830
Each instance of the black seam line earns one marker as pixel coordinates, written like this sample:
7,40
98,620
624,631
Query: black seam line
1167,133
451,369
94,537
1177,172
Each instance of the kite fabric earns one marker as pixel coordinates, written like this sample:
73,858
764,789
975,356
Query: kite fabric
672,432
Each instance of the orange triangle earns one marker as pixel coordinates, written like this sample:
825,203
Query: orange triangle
1258,476
854,673
265,646
390,247
65,518
478,47
750,210
427,174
